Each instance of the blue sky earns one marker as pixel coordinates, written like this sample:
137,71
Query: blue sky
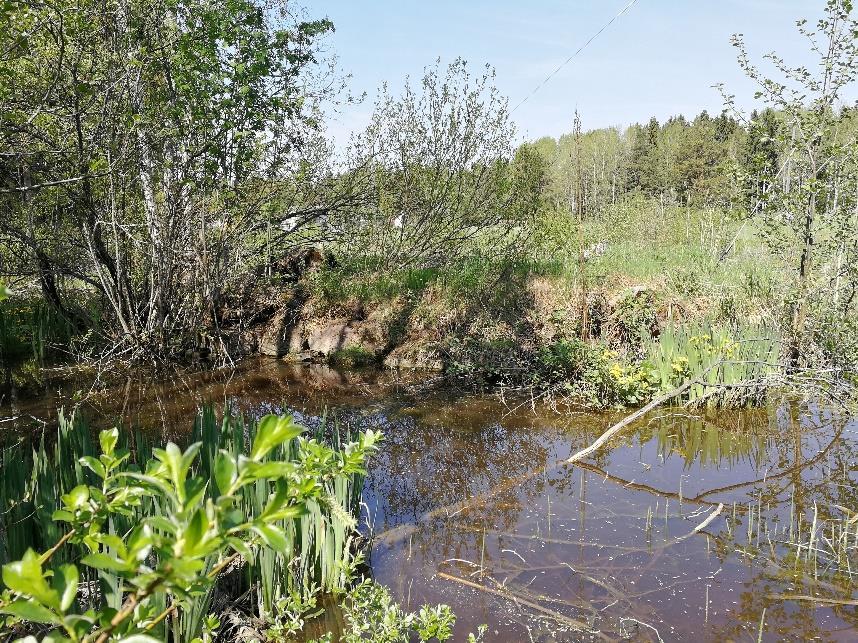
661,58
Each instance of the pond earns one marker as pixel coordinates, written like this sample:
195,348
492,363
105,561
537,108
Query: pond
696,525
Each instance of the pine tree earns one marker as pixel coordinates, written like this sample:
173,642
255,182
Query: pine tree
644,172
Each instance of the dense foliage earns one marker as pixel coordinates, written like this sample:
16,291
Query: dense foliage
158,155
125,543
140,142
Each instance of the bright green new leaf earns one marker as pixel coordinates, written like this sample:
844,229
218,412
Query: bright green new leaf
25,576
108,440
61,515
196,531
66,584
139,542
288,513
104,561
224,471
162,524
267,470
77,497
272,536
178,464
94,465
272,432
31,611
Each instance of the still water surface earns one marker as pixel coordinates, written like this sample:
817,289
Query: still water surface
696,526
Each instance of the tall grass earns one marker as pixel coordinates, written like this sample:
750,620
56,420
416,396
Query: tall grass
320,553
31,329
464,278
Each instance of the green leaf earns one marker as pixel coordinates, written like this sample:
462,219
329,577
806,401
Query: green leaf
108,440
178,464
272,536
94,465
66,585
224,471
139,638
103,561
272,432
161,523
195,489
77,497
139,542
288,513
267,470
148,479
190,568
5,293
31,611
241,547
25,576
196,530
277,501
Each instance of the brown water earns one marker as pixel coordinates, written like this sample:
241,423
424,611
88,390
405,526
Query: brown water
611,549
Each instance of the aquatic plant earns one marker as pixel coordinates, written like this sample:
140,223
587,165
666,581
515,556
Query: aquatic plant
372,614
593,374
729,367
32,328
163,526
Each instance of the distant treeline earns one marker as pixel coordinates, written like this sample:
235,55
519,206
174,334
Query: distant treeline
718,161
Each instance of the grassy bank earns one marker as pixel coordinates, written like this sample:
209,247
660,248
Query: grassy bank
635,312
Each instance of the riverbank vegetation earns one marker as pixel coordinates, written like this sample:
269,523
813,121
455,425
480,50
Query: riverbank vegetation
236,536
158,220
168,196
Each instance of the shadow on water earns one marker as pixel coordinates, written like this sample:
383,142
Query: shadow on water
711,525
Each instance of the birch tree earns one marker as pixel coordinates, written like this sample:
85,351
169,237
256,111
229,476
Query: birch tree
140,143
807,206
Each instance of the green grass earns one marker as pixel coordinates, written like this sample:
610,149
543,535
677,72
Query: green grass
690,253
31,329
352,357
695,251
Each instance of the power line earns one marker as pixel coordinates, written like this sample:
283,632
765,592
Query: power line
580,49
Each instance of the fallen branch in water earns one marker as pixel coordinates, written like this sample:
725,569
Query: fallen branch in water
712,516
401,532
579,543
518,600
814,599
629,419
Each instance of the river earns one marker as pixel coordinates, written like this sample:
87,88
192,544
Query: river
694,526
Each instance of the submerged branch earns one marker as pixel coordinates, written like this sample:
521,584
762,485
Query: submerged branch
401,532
510,596
629,419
